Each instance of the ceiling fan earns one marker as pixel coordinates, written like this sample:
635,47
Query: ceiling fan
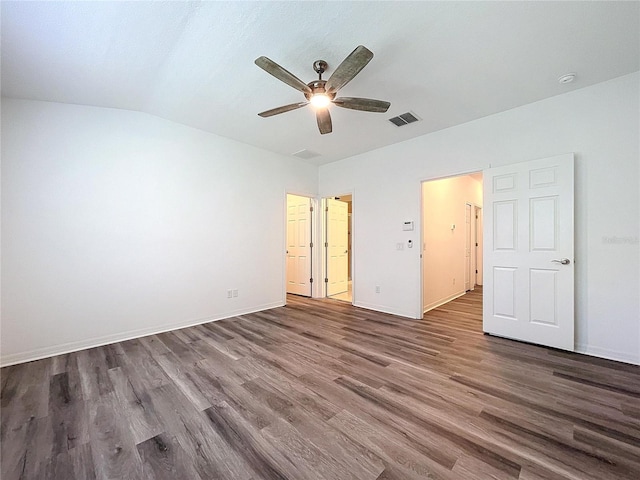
321,93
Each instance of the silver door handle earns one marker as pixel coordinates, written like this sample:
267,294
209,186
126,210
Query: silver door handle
564,261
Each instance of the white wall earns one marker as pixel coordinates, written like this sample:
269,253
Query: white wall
117,224
599,123
444,265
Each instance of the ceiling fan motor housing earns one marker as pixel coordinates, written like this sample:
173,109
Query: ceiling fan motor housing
317,87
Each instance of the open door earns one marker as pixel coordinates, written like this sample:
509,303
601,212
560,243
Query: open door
337,247
299,245
528,252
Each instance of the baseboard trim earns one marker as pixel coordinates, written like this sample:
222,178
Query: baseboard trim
439,303
607,354
383,309
70,347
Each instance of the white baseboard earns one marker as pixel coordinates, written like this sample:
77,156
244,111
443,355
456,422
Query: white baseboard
438,303
69,347
384,309
608,354
61,349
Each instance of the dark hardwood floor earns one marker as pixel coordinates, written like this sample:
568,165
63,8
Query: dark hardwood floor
322,390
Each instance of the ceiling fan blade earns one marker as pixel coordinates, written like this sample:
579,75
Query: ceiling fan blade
349,68
284,108
281,74
365,104
324,120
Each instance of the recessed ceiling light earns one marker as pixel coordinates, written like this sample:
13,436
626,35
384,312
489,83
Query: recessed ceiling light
568,78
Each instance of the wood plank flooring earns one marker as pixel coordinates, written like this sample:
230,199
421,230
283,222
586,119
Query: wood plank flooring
322,390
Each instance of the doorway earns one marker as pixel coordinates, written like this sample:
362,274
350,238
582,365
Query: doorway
338,247
451,238
528,254
473,246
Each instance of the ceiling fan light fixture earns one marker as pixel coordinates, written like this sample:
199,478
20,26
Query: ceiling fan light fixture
320,100
320,93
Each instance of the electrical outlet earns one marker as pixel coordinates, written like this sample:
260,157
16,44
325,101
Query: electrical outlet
377,288
229,293
235,293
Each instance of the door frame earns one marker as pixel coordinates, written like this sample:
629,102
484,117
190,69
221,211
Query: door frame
323,241
314,239
422,227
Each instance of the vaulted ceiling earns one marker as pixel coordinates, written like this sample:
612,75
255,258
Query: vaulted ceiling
192,62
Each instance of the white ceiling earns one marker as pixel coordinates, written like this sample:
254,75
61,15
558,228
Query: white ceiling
448,62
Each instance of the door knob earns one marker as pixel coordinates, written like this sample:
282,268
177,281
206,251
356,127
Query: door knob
564,261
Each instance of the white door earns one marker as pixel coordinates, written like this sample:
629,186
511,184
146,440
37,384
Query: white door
528,252
337,246
299,245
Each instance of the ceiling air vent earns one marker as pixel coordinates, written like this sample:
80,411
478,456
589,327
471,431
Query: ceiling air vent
404,119
305,154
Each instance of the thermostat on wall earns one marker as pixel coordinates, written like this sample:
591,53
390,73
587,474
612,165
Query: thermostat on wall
407,226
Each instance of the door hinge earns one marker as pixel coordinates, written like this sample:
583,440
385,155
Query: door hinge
311,244
311,209
326,244
476,271
326,280
311,280
326,209
476,244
